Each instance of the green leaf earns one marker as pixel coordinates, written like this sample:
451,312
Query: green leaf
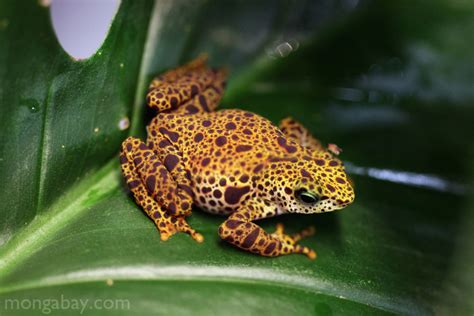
390,83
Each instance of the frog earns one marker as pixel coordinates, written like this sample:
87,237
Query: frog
228,162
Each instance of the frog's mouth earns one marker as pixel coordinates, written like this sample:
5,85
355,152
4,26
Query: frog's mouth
327,204
342,204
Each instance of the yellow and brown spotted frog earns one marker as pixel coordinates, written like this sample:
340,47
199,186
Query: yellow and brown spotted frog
228,162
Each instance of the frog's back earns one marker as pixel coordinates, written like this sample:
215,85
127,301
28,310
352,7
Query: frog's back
220,135
221,150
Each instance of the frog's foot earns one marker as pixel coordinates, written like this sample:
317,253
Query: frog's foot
169,225
189,89
183,226
300,134
289,242
336,150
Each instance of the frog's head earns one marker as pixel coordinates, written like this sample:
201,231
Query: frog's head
318,183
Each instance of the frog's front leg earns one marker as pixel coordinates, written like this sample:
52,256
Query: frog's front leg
155,190
300,134
189,89
239,230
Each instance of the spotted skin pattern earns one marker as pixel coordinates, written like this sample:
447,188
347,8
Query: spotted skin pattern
229,162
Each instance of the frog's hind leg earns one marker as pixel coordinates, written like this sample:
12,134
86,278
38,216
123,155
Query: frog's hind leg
155,194
174,74
189,89
300,134
172,159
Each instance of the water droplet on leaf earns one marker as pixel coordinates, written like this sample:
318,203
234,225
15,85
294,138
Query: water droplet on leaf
31,104
124,123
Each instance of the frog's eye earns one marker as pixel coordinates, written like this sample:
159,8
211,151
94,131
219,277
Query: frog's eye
306,197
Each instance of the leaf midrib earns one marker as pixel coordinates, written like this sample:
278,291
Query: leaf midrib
230,275
43,153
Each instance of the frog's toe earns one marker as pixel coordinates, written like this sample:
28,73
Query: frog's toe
164,236
293,239
198,237
309,231
183,226
310,253
167,230
279,229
